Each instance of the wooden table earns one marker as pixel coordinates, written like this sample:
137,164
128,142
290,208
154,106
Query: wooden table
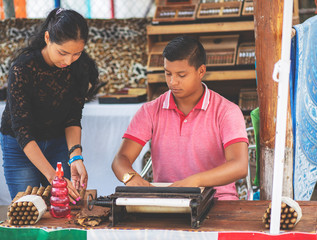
223,216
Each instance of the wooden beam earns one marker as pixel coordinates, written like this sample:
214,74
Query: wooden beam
268,20
210,76
201,28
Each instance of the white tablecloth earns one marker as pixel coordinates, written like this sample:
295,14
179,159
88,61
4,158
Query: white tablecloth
103,126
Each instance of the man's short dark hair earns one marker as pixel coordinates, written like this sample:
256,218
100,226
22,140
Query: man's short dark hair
184,47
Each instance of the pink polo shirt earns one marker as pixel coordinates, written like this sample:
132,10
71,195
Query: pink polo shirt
184,145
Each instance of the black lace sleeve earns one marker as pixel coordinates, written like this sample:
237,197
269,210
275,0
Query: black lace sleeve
19,103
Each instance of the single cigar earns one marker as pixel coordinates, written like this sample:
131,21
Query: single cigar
23,208
28,209
32,222
23,217
289,215
284,226
290,225
18,218
28,190
15,222
47,191
29,217
283,205
34,217
26,222
40,191
33,209
14,213
15,205
18,209
11,209
9,214
34,190
266,215
13,218
72,200
293,220
286,221
82,193
25,204
283,216
20,204
36,213
291,210
20,213
20,222
267,225
286,210
26,213
11,222
30,204
295,214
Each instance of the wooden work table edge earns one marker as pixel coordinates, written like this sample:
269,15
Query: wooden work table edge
224,216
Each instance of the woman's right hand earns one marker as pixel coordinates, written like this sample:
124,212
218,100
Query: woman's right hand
72,192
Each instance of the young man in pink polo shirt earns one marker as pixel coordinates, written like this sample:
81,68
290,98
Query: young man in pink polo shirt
198,138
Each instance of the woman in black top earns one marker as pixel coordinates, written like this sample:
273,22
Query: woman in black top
49,82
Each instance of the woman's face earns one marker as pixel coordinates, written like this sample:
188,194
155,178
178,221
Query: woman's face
62,55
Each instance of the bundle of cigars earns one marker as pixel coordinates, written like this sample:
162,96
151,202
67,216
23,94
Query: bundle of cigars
27,207
291,213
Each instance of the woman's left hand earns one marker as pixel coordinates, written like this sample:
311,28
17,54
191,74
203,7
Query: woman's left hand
79,174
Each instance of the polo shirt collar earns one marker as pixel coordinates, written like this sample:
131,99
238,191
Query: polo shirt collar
203,103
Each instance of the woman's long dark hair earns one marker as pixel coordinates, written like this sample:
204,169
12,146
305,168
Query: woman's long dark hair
64,25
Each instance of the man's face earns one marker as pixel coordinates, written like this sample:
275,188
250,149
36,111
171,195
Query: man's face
182,79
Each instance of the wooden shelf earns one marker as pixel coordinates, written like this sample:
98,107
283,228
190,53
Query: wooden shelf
210,76
200,28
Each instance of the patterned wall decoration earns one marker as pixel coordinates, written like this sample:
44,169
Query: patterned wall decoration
118,47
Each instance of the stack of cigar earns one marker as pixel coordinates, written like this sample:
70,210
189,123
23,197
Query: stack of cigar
22,213
288,217
43,192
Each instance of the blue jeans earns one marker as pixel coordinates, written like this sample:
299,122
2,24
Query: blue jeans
20,172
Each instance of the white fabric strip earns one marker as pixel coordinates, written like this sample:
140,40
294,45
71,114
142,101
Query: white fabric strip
158,202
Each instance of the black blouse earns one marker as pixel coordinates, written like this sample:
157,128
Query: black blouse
41,101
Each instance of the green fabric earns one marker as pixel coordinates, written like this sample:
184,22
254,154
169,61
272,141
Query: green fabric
255,118
8,233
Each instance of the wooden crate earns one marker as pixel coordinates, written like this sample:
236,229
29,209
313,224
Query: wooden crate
175,2
155,59
174,13
248,8
219,9
246,54
220,50
248,99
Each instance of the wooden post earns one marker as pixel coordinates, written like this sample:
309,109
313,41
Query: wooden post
268,21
